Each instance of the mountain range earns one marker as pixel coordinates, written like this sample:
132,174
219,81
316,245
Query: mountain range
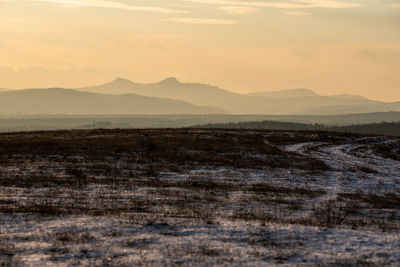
296,101
301,92
67,101
171,96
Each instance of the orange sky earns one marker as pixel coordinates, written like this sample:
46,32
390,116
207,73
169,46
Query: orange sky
330,46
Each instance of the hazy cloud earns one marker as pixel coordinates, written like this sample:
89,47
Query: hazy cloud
238,9
395,5
108,4
202,21
290,4
297,13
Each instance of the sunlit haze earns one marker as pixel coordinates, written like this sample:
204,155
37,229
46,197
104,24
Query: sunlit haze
329,46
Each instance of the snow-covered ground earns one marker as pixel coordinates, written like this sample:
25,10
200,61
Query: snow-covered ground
347,162
89,241
116,211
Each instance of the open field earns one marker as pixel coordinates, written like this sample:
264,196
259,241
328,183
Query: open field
199,197
18,123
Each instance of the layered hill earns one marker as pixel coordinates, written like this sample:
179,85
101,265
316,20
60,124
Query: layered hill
170,96
301,92
89,121
67,101
297,101
383,128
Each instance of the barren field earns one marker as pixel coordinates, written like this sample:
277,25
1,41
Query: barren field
199,197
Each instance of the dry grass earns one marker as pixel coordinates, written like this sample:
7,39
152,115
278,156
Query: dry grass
144,179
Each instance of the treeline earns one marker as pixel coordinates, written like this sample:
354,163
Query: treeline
383,128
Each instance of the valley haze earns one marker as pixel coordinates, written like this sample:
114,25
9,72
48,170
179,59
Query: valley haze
170,96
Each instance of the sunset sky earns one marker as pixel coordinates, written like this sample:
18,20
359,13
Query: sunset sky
330,46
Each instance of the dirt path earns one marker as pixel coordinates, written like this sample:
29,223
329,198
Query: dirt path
353,166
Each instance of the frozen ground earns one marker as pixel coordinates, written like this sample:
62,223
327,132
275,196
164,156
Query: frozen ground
199,198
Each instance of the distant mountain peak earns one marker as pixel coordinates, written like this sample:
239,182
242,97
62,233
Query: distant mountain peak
52,89
121,81
170,81
299,92
302,90
347,96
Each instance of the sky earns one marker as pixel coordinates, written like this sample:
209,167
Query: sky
329,46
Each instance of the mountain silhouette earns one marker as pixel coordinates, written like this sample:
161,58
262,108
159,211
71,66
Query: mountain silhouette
170,96
301,92
296,101
67,101
168,88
